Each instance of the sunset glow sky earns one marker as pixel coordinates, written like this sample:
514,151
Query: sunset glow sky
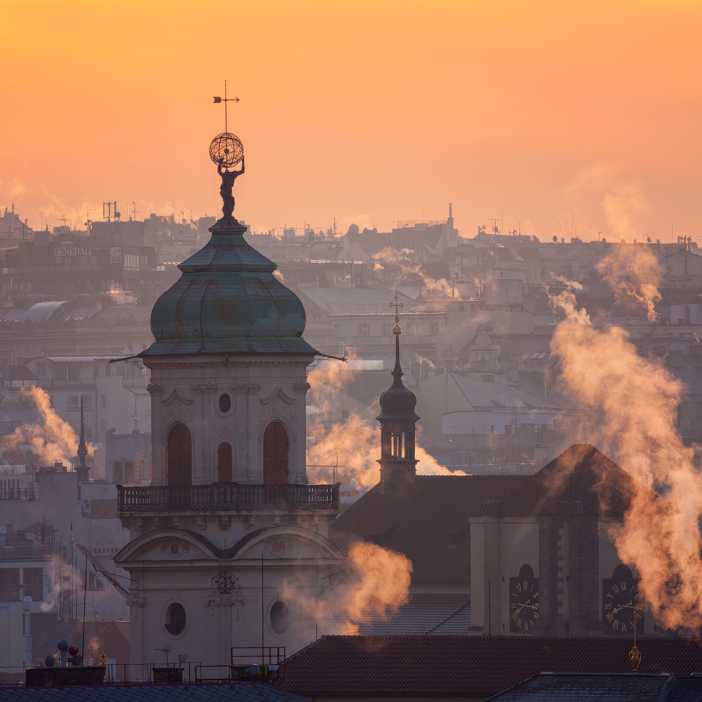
554,117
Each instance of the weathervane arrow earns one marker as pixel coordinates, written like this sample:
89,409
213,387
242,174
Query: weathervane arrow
217,99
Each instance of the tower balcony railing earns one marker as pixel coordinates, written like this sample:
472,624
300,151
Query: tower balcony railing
227,497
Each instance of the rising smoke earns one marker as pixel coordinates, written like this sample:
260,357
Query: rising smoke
438,288
51,440
634,276
632,403
375,586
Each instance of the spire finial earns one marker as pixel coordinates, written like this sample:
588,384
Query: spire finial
397,330
397,306
226,152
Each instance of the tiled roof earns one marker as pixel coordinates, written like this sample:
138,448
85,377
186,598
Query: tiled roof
687,690
466,665
631,687
439,615
428,520
238,692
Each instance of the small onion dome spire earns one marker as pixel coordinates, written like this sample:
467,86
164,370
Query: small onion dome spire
397,402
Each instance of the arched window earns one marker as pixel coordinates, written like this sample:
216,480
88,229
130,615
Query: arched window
224,463
179,456
275,454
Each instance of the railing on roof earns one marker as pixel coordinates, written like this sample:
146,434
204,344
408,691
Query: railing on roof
253,663
227,497
257,655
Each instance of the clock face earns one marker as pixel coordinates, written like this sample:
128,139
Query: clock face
524,605
620,609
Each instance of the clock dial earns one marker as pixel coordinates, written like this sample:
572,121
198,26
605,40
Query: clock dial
620,609
524,604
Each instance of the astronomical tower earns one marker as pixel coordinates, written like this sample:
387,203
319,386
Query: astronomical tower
229,515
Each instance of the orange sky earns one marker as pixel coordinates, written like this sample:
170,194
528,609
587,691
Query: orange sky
553,116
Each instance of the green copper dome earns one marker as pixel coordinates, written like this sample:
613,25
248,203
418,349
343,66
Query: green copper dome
228,301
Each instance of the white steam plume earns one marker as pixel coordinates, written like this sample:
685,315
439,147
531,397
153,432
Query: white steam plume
51,441
375,587
633,405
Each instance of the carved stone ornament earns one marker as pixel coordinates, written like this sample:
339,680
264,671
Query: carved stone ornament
175,397
277,394
228,589
135,599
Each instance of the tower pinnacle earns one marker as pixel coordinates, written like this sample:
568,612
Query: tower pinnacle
82,468
397,331
397,419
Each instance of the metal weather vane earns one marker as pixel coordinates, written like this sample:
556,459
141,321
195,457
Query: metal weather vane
227,151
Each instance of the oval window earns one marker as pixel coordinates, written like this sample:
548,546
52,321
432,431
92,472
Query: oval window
280,617
175,618
225,403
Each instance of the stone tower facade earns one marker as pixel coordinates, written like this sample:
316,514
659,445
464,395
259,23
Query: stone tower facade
229,516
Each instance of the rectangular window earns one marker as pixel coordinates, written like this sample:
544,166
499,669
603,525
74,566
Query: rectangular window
9,584
34,583
94,582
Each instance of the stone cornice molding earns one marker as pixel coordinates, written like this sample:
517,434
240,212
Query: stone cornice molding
204,388
199,362
246,389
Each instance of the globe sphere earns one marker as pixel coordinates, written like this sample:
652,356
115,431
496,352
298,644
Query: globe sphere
226,150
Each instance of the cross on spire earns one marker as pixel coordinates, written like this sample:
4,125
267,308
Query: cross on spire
397,330
397,305
219,99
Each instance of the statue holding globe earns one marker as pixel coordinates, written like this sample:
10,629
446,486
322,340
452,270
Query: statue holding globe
227,151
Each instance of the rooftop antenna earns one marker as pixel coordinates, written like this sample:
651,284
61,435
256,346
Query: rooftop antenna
218,99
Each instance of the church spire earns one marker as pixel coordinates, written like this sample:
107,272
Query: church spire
82,468
397,419
397,331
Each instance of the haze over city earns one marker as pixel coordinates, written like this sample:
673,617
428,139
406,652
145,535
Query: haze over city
577,118
350,351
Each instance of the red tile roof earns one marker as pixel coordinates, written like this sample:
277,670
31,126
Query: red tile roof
428,520
338,666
